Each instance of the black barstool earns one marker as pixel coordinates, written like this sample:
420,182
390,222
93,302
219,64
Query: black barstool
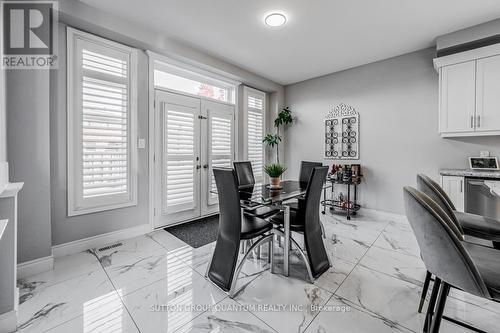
233,228
474,269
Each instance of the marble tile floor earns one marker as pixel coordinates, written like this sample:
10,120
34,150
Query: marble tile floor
156,283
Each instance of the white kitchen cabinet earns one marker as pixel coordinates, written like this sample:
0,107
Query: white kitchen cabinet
454,187
457,98
469,98
487,94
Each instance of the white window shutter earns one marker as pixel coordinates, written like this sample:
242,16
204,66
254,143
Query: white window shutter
101,124
179,151
104,138
221,144
255,109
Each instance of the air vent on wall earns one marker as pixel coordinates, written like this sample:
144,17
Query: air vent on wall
109,247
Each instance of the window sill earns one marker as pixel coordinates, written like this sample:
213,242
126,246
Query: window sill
84,211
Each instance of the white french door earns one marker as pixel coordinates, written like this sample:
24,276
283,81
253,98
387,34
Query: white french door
192,135
217,148
177,147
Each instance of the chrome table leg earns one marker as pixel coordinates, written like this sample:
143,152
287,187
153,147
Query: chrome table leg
286,252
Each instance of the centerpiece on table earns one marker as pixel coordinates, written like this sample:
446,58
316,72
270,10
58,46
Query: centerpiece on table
276,170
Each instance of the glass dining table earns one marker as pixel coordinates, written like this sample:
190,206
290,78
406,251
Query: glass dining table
261,195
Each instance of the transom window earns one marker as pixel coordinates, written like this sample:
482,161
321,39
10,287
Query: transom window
185,81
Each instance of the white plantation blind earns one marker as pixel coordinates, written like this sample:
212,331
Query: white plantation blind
179,151
101,124
102,64
255,102
220,145
104,138
255,113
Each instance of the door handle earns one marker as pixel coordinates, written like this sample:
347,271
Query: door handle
461,186
205,166
471,121
478,120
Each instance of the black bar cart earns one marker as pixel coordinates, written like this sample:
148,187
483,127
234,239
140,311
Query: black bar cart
343,175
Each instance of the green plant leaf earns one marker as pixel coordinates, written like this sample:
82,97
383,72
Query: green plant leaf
284,117
271,139
274,170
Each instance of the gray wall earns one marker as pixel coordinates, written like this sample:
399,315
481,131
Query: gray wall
64,228
28,152
78,15
3,125
37,142
4,177
397,100
82,16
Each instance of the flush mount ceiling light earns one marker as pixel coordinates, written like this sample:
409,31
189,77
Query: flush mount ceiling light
275,20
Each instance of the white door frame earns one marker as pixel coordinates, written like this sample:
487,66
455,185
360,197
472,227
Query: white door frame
204,202
152,58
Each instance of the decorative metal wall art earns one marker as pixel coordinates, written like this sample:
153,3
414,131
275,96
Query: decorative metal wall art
342,133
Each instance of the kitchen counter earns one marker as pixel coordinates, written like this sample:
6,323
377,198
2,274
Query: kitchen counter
470,173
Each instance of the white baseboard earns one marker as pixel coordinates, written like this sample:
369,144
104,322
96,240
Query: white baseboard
45,264
36,266
8,322
386,214
99,240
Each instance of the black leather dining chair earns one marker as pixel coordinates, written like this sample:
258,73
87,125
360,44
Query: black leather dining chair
466,223
246,179
306,221
244,173
306,169
472,268
223,269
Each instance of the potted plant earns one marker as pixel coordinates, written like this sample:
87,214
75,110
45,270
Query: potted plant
274,171
283,119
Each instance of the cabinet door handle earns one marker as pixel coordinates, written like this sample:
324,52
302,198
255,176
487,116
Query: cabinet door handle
478,121
461,186
471,121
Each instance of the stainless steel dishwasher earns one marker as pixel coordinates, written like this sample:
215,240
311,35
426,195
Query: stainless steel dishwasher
480,200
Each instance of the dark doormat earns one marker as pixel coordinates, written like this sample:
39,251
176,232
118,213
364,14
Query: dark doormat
197,233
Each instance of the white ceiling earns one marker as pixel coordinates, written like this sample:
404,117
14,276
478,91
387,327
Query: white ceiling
320,37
